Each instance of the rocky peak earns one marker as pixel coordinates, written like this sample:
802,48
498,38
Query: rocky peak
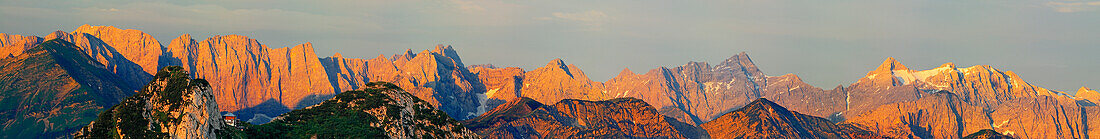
407,55
764,104
59,35
134,45
770,120
558,65
1087,94
626,73
558,81
891,64
741,63
448,51
338,55
948,65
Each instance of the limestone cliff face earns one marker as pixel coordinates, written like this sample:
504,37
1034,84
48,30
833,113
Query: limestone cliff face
503,84
12,45
765,119
378,110
945,115
557,81
245,73
704,92
938,115
880,87
1044,117
109,55
979,85
171,106
437,76
134,45
985,97
52,89
570,118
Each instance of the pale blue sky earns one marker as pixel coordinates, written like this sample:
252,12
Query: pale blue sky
1052,44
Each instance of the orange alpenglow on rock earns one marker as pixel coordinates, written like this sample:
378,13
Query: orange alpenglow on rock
245,73
765,119
571,118
557,81
437,76
1088,94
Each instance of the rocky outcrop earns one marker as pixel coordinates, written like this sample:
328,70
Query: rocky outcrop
437,76
379,110
245,73
52,89
765,119
571,118
172,106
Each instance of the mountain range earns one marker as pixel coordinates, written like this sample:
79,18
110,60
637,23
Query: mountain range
892,100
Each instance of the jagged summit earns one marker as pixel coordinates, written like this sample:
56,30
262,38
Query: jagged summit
891,64
949,65
556,62
626,72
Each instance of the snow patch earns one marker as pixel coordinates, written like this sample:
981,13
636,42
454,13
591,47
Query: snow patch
483,97
924,74
905,76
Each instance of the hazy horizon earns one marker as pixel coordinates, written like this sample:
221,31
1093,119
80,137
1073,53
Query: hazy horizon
1050,44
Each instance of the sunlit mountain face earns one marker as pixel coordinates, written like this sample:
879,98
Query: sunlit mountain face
549,69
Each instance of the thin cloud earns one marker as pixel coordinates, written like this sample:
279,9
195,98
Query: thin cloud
1073,6
468,6
592,19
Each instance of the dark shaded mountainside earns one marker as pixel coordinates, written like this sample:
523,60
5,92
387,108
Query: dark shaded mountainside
248,78
53,89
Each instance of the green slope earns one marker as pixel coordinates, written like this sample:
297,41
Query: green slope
52,90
